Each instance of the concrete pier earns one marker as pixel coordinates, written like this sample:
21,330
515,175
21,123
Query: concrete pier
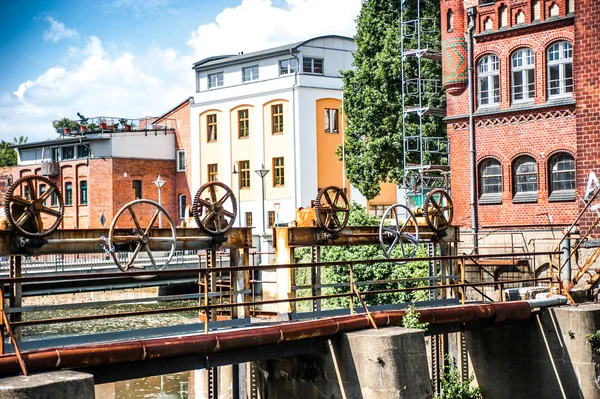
547,357
371,364
54,385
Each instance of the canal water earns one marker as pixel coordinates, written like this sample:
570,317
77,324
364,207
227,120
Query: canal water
171,386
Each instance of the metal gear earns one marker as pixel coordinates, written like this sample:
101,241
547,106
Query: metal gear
332,209
212,214
24,206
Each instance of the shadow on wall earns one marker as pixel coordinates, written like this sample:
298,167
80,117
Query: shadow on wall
547,356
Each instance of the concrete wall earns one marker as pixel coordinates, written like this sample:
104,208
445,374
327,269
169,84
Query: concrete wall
528,361
385,363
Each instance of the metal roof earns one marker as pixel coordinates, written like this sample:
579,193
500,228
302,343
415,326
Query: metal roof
223,60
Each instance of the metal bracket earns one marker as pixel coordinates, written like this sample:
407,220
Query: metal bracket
108,249
31,242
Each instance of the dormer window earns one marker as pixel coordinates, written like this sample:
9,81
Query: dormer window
215,80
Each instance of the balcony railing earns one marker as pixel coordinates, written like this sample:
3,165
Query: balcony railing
103,124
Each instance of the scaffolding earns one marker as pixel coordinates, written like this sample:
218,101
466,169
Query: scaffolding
422,101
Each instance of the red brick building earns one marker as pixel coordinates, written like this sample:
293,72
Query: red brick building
99,171
531,100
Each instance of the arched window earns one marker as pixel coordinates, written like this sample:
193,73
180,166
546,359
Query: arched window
450,21
487,24
535,10
503,16
490,181
520,17
525,179
182,205
560,69
488,81
554,12
523,80
561,173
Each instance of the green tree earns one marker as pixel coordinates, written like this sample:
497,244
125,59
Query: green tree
8,156
373,92
66,123
377,270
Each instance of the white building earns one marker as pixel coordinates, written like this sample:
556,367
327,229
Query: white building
280,107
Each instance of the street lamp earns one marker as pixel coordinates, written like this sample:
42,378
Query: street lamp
239,198
262,172
159,183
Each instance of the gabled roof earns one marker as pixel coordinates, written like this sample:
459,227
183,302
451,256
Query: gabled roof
224,60
189,99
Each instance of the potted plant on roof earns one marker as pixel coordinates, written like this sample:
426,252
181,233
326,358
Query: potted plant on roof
102,123
126,125
65,125
83,122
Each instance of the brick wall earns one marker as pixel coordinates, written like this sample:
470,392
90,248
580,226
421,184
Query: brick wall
587,88
183,180
539,129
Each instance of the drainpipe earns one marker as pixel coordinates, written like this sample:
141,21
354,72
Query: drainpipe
294,128
474,222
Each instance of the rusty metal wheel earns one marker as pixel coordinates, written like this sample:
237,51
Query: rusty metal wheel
438,210
332,209
141,236
26,206
394,232
214,212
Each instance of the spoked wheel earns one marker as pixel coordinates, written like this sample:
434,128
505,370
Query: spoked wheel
26,206
142,215
396,234
214,211
438,210
332,209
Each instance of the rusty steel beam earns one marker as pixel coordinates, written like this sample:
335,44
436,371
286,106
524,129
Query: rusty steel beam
77,241
113,353
353,235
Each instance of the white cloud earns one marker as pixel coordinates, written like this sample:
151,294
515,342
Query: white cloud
98,84
97,79
257,25
58,31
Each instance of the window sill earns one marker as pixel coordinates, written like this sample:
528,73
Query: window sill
490,199
562,196
524,198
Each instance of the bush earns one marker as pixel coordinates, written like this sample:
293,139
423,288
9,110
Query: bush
451,387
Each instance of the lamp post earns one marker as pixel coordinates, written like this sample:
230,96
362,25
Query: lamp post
262,172
159,183
239,198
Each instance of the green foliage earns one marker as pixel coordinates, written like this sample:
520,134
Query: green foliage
375,271
411,319
594,340
372,93
8,156
82,119
65,123
451,386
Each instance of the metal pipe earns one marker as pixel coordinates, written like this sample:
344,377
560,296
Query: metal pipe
556,300
469,34
206,344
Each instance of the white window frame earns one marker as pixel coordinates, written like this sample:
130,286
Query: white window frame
182,208
488,69
288,66
252,75
332,120
560,56
180,153
218,80
523,65
311,67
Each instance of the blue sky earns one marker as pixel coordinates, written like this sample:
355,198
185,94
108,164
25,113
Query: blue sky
132,58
